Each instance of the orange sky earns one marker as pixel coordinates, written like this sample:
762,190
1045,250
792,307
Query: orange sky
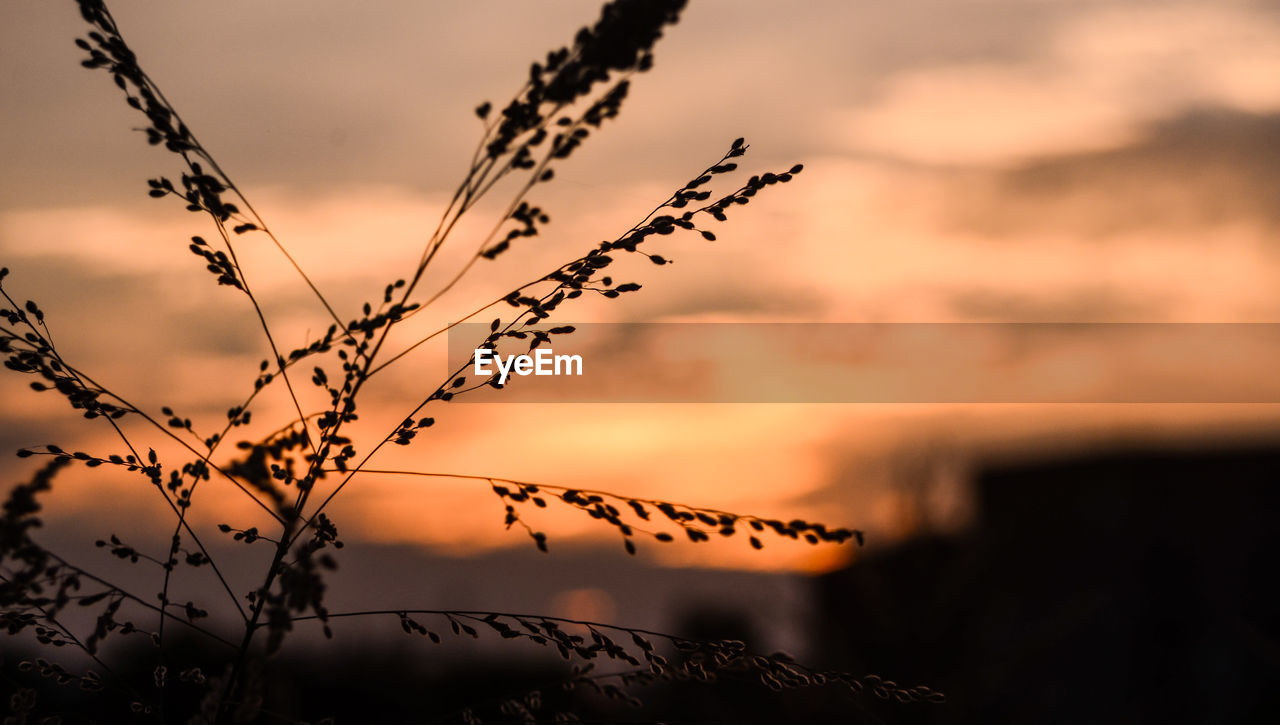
1002,161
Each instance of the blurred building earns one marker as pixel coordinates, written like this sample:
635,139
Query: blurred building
1127,586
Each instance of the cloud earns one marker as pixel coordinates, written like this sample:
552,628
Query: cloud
981,114
1098,79
1096,304
1202,171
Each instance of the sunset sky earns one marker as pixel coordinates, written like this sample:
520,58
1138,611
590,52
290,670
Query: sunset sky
1005,161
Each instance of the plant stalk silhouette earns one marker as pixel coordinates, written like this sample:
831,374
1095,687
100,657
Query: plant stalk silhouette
294,473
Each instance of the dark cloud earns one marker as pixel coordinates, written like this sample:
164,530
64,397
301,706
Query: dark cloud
738,297
1096,304
135,313
1200,170
155,337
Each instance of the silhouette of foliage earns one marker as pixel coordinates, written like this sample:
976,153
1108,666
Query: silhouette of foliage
566,98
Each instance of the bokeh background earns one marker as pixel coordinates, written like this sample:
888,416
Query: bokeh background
996,161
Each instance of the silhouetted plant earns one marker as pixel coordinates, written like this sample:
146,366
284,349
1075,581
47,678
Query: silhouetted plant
294,473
